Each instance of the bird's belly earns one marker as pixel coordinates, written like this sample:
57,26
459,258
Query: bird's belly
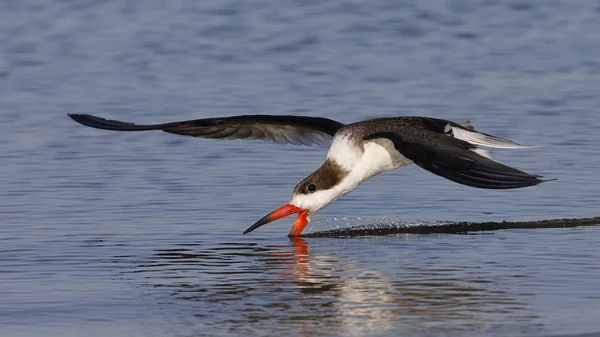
365,161
380,156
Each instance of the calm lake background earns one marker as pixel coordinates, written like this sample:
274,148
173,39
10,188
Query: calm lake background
139,234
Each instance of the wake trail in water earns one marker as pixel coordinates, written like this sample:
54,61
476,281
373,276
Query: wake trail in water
365,227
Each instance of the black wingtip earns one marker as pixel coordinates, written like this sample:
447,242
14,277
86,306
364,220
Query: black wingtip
91,121
84,119
107,124
538,180
76,117
487,174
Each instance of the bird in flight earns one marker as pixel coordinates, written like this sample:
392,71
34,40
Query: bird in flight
357,152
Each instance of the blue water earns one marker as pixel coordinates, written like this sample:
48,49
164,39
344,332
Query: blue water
139,234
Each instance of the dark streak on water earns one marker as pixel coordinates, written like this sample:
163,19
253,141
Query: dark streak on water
451,228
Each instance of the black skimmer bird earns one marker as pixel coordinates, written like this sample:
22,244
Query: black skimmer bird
358,152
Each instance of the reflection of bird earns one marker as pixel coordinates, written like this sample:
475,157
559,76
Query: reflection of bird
358,152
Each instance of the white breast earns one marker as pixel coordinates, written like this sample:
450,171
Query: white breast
364,160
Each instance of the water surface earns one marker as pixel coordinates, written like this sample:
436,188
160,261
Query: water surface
139,234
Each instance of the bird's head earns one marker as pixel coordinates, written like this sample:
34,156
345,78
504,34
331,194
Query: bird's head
310,196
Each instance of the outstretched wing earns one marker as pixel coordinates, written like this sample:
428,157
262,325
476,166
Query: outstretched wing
436,146
296,130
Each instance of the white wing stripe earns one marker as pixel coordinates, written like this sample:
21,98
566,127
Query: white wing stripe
482,152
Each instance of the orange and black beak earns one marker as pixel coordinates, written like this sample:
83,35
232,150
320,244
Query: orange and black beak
289,209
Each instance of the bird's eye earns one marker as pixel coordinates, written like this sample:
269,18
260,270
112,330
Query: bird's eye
311,188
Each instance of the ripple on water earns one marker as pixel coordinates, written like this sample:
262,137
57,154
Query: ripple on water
257,288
